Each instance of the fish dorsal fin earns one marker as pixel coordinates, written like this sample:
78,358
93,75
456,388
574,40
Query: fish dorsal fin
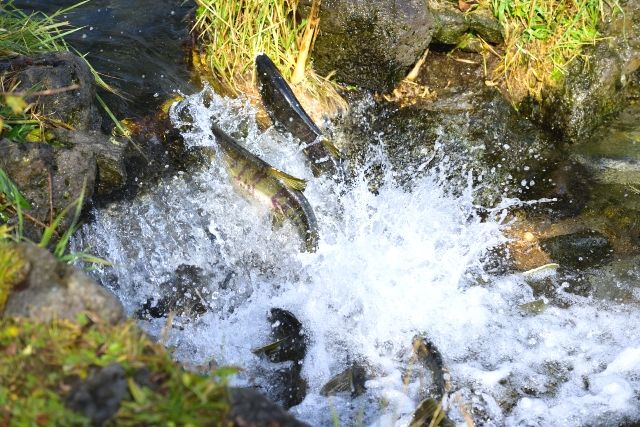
288,180
331,148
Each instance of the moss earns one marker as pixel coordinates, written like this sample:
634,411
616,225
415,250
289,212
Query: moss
12,268
41,363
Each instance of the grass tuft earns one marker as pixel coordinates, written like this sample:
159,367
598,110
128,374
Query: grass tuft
542,37
231,34
42,363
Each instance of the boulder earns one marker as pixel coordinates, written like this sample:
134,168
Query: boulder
61,71
55,290
371,43
593,89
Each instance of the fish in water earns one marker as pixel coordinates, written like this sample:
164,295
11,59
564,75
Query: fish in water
280,191
286,112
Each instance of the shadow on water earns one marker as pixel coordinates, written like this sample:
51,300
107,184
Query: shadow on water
139,46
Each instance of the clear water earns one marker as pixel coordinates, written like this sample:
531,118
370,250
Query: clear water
389,266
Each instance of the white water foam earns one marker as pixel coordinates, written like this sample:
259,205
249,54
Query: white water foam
389,266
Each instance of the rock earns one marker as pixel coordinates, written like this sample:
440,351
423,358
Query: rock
452,25
578,250
371,43
98,397
249,408
593,89
55,290
32,165
90,161
109,156
53,71
183,295
467,129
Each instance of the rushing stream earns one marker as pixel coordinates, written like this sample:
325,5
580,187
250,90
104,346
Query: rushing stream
389,266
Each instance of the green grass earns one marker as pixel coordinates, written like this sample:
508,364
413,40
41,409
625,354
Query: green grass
41,362
231,33
542,37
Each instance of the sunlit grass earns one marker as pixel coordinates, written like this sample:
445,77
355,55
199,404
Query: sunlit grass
542,37
42,362
231,34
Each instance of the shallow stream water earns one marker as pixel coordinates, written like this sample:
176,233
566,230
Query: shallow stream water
389,266
406,261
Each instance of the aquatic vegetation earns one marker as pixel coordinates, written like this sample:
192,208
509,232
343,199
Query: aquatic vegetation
233,32
542,37
44,363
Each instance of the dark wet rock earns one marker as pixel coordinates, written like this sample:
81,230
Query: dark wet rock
371,44
53,177
452,25
55,290
467,130
111,174
249,408
351,380
183,295
593,89
289,343
98,397
578,250
55,71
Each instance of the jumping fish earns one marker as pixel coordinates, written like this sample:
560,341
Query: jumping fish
286,112
280,191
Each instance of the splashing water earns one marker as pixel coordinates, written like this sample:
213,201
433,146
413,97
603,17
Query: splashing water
389,266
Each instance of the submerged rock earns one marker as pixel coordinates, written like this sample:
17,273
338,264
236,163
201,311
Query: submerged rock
579,250
371,44
55,290
183,295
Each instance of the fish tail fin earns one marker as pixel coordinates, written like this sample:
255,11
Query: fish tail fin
331,148
288,180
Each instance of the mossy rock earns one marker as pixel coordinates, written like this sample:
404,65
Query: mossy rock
371,44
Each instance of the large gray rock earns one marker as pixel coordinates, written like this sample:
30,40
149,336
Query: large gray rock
452,25
593,89
371,43
91,162
55,290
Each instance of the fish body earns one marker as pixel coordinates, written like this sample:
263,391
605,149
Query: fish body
287,113
281,192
